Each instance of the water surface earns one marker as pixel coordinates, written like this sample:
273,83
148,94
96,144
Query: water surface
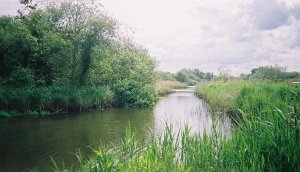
28,143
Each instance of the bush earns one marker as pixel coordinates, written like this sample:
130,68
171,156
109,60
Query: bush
4,114
134,94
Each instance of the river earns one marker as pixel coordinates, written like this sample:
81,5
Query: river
28,143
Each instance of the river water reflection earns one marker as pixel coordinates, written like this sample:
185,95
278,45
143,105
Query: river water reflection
28,143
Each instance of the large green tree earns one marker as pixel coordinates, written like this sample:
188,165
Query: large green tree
86,27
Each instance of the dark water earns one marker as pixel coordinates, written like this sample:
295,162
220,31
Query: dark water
28,143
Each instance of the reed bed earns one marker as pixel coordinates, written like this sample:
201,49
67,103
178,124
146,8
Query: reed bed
266,137
219,95
256,145
165,87
53,99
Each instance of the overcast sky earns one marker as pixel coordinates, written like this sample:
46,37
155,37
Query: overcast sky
209,34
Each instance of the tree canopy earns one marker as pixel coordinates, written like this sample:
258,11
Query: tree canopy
74,43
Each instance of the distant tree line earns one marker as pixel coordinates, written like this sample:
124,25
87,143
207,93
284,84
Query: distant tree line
188,76
272,73
194,76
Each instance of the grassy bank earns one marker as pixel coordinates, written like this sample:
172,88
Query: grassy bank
250,96
53,99
256,145
220,95
268,119
266,138
165,87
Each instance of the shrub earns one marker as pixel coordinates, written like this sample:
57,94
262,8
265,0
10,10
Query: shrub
134,94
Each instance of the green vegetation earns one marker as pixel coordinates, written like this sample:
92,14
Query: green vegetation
187,76
64,53
165,87
266,137
272,73
42,100
193,77
72,57
220,95
247,95
256,145
268,121
166,76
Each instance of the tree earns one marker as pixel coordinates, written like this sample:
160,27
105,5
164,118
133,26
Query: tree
268,73
75,43
29,6
86,27
17,45
166,76
52,51
100,32
182,76
129,70
274,73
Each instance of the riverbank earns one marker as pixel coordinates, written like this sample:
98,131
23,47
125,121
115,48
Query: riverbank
249,96
37,101
164,88
266,137
53,99
219,95
44,71
64,133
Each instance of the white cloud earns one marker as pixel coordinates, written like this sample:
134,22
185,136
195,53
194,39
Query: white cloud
268,14
9,7
207,34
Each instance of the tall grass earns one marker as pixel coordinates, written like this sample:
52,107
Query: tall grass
54,99
266,138
250,96
256,145
268,126
220,95
258,97
165,87
173,84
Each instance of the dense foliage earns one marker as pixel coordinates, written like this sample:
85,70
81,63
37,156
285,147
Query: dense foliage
76,44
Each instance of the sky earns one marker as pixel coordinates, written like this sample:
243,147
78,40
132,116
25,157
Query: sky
236,35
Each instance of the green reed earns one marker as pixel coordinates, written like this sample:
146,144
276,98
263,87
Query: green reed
266,137
53,99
